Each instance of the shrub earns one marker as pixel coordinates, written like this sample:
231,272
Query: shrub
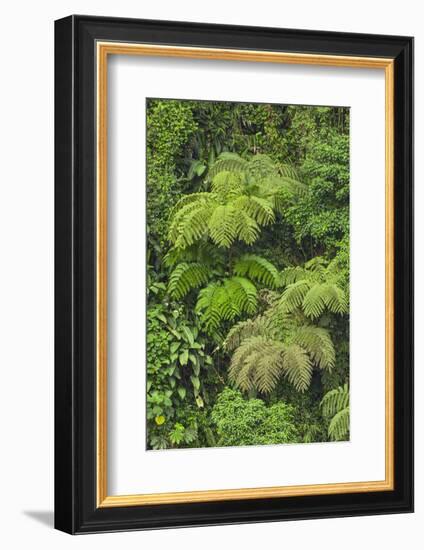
251,422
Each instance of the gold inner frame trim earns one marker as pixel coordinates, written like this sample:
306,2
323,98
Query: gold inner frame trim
104,49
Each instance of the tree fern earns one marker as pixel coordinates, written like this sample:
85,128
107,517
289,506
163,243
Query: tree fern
313,289
257,364
245,195
260,362
244,330
339,425
298,366
258,269
228,162
226,301
186,277
227,185
317,342
335,405
190,222
222,226
203,252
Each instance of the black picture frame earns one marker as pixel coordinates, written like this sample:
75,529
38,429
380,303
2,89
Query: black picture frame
76,510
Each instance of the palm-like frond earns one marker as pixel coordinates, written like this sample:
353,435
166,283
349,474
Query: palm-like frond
228,162
294,295
258,269
242,293
222,226
187,276
245,195
223,302
313,289
245,329
247,229
339,425
227,185
291,275
257,363
317,342
300,347
335,405
190,222
298,367
203,252
288,171
322,296
335,400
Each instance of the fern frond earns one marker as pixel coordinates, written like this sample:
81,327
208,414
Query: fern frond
291,275
288,171
227,185
222,226
294,295
260,209
317,342
228,162
260,167
188,199
322,296
190,223
339,425
224,302
314,302
258,269
243,330
247,229
242,293
268,366
298,367
186,277
335,400
202,252
209,306
257,363
316,264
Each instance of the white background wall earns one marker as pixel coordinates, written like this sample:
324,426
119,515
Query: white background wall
26,272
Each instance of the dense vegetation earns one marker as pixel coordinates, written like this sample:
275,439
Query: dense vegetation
248,274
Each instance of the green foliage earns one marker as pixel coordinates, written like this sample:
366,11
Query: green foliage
245,195
335,406
176,359
170,124
313,289
257,269
187,276
248,237
224,302
250,422
281,343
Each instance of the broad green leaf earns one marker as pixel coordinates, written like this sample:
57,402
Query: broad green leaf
184,357
199,402
196,382
189,335
174,346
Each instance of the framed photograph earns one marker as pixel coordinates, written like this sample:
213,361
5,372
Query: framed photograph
234,268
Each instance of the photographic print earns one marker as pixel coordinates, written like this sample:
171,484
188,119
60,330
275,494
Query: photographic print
248,274
231,262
